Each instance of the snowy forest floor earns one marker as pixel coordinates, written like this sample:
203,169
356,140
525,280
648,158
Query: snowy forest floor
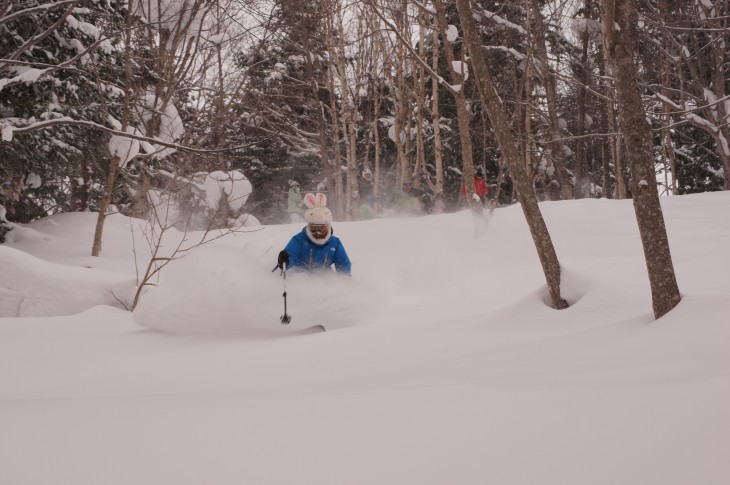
441,364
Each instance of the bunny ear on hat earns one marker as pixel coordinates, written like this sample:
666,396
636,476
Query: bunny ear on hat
321,200
312,201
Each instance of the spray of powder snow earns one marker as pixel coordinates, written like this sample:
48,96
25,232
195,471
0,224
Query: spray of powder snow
224,290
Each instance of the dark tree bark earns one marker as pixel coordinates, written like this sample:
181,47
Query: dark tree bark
606,141
582,181
498,116
557,150
638,138
114,162
462,112
319,106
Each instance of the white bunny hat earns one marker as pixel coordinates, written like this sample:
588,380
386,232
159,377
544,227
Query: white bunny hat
317,211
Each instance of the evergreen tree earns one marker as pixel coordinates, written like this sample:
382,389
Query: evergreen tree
274,114
59,61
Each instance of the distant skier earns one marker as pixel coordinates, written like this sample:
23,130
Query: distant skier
367,200
294,202
315,248
480,186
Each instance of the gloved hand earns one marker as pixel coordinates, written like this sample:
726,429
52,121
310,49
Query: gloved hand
283,259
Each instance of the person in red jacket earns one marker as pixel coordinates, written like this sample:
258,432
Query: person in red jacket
480,186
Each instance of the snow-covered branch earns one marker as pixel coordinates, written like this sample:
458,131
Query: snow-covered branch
51,30
510,50
29,11
414,55
8,131
500,20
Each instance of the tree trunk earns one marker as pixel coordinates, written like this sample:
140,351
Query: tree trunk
319,108
80,189
462,113
335,186
529,159
352,186
638,137
400,99
350,118
606,141
140,204
582,183
667,116
114,162
438,148
498,116
104,205
376,140
398,131
557,150
420,81
348,135
615,138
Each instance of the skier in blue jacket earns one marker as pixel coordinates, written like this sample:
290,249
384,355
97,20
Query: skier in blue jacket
315,248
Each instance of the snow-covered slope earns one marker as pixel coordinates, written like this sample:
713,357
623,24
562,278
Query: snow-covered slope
442,363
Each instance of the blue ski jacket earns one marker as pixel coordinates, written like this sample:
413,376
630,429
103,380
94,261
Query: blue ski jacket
304,255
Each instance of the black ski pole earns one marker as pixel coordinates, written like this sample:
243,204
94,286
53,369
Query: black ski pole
285,318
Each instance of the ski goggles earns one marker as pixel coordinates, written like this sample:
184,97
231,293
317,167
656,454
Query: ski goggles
319,231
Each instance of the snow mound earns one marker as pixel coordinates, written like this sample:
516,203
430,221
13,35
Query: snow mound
39,288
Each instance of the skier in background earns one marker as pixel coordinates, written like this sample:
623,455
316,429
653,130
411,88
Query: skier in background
365,188
294,202
480,186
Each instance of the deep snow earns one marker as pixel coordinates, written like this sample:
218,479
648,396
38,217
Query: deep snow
441,363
